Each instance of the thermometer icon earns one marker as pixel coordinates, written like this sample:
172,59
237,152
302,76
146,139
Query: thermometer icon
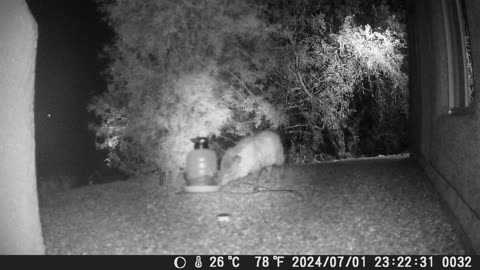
198,262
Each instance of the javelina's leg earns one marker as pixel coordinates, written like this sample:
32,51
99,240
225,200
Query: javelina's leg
278,175
269,173
256,177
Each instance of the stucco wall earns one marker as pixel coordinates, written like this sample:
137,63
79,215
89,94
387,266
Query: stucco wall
20,230
447,146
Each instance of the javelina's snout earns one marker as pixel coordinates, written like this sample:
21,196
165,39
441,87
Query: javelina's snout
251,155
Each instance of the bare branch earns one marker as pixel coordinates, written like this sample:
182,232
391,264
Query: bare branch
241,83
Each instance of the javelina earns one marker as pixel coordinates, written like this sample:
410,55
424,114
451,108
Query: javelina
251,155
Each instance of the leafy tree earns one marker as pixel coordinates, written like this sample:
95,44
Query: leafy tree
171,78
327,68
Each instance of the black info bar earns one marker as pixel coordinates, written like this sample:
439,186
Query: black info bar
255,261
321,262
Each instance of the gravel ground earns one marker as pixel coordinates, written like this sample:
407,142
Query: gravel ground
370,206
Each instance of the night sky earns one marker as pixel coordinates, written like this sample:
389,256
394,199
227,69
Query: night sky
68,74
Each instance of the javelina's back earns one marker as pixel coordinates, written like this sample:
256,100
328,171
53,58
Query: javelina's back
251,154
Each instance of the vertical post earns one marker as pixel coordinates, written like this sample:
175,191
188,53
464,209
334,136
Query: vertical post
20,229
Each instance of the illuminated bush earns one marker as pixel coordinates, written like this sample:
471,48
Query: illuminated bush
168,80
326,75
